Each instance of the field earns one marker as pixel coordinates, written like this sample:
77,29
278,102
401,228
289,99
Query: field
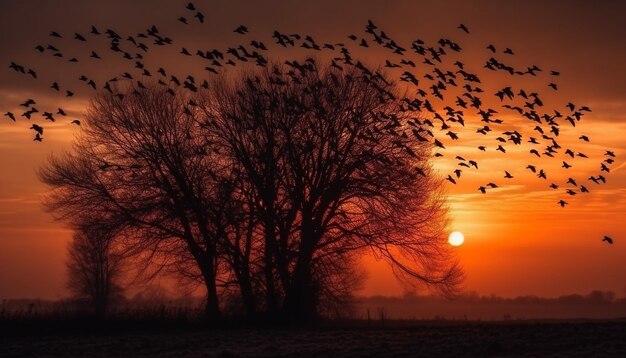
347,339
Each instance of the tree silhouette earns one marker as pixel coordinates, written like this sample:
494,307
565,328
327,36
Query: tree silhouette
275,182
336,173
94,269
139,163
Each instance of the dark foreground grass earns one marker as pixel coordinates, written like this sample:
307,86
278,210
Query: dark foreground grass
82,338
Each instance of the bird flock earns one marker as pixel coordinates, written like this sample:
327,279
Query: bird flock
449,99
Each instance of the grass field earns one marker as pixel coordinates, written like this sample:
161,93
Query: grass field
348,339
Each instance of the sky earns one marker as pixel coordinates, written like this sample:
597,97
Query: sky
518,241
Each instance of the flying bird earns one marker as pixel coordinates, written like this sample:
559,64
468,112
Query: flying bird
10,115
241,30
200,17
464,28
37,129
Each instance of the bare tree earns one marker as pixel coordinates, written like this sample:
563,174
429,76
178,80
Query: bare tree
94,269
273,184
338,167
140,163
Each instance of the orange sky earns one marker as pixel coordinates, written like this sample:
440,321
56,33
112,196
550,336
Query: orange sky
518,241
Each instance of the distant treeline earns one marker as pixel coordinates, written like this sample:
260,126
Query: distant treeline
470,306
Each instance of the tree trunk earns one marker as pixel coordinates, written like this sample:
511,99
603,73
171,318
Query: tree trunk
212,309
301,298
270,286
247,294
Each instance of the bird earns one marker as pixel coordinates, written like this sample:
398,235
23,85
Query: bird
37,129
28,102
76,121
241,29
10,115
608,240
464,28
562,203
507,175
200,17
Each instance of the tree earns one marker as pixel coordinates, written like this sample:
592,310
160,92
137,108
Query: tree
275,183
141,166
338,168
94,269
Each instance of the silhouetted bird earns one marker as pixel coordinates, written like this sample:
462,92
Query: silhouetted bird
37,128
608,239
200,17
241,30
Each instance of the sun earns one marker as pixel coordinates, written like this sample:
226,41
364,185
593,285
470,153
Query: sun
456,238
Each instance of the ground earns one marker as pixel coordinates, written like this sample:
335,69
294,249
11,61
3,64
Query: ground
399,339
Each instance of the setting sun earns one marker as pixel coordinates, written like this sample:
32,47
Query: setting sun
456,238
